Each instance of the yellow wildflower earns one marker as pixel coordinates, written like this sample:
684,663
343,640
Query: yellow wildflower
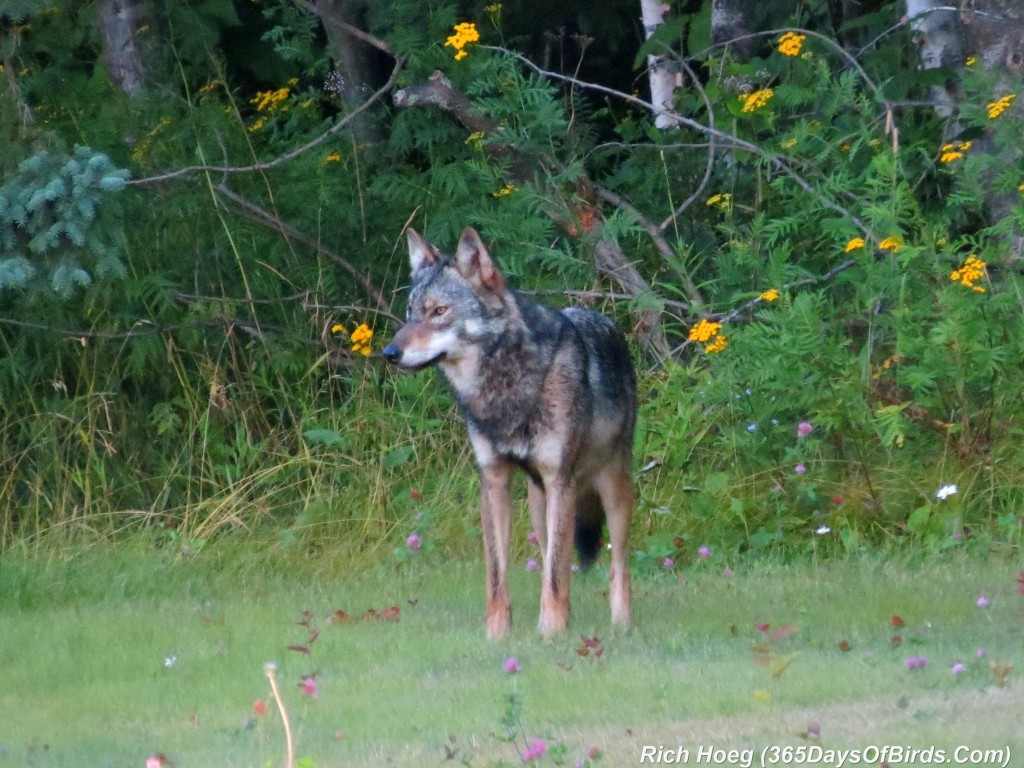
770,295
704,331
973,269
258,125
361,339
333,157
723,201
716,346
505,191
1020,188
754,101
337,328
208,88
953,151
268,101
476,138
971,61
996,108
890,244
465,33
854,244
791,43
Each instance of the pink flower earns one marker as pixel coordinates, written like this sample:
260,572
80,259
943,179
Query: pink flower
804,428
511,666
668,562
763,627
413,542
155,762
532,537
259,707
532,565
535,751
982,602
980,653
799,469
308,686
704,551
915,662
958,668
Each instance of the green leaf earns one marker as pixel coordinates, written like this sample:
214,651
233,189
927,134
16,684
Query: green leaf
326,437
918,519
398,456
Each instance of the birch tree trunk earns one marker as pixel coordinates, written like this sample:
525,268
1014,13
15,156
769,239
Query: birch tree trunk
661,76
940,43
120,20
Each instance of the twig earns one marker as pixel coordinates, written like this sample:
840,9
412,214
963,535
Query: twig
709,167
729,141
290,155
271,672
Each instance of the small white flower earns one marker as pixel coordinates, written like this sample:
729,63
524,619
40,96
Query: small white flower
821,530
945,492
170,661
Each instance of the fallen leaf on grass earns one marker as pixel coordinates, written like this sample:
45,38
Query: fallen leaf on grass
844,645
897,621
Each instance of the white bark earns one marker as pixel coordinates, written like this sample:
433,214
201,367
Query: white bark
660,76
940,43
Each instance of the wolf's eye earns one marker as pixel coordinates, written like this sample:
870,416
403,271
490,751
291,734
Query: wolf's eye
438,311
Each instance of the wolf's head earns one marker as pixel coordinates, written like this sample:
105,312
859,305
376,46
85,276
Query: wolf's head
454,303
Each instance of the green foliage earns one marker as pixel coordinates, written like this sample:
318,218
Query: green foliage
206,389
53,211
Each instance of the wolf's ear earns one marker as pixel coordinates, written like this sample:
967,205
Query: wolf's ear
474,262
421,253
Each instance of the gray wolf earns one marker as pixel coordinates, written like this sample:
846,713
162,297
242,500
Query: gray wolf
551,393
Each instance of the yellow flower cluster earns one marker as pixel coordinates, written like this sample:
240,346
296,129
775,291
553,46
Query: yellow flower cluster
770,295
333,157
722,201
465,33
476,138
707,332
996,108
890,244
268,101
971,61
505,191
754,101
790,44
716,346
854,244
360,337
972,270
953,151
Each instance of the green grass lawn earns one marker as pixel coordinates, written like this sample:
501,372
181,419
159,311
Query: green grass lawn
115,654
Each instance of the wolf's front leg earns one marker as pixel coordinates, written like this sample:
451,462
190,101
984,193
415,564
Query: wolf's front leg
495,522
554,593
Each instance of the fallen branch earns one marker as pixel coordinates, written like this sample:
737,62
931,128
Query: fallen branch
610,259
290,155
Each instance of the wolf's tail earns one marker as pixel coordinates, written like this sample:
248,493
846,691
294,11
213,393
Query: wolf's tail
589,524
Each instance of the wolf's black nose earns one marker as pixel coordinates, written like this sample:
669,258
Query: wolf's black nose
392,353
